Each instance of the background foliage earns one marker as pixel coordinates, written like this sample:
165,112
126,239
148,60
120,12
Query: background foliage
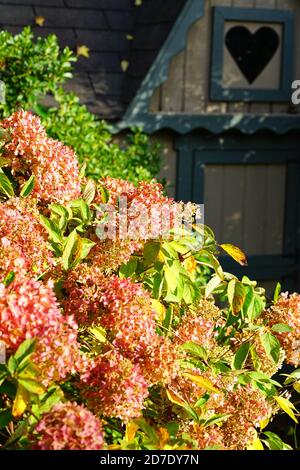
32,68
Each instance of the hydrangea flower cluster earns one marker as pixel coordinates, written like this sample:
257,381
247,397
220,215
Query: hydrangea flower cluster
68,426
287,310
31,152
23,241
114,386
29,309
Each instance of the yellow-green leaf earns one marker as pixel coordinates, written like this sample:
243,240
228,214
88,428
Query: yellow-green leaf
131,430
99,333
236,253
124,65
287,407
175,398
20,402
256,445
236,295
39,20
83,51
203,382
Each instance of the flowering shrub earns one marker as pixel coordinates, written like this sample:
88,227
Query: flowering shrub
110,341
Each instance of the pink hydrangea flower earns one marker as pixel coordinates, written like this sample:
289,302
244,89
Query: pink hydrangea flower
68,426
31,152
28,309
23,240
113,386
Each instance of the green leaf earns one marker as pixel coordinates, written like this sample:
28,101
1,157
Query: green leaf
69,250
274,442
195,350
28,187
236,295
281,328
99,333
9,279
12,365
32,385
89,191
128,269
25,350
51,229
5,418
295,375
253,305
151,250
82,250
240,356
85,211
171,277
277,292
271,346
202,400
6,186
53,396
104,194
59,210
287,407
215,419
214,282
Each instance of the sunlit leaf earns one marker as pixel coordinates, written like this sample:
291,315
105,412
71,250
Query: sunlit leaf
281,328
83,51
175,398
277,292
240,356
287,407
236,253
131,429
236,295
203,382
213,283
39,20
271,346
21,401
28,187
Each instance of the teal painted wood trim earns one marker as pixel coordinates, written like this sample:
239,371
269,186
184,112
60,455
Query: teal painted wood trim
185,123
286,19
158,73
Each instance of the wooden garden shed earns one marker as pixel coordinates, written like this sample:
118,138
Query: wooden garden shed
212,80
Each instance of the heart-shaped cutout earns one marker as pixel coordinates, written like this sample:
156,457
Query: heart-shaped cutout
252,51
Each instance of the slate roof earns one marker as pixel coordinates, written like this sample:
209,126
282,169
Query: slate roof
114,30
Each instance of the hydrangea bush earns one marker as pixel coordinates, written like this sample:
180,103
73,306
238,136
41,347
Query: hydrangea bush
110,341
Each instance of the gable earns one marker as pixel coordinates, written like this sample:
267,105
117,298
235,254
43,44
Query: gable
176,93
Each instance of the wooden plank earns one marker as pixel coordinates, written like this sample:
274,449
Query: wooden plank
234,177
155,101
197,55
173,88
169,160
275,206
214,107
213,198
279,108
254,209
